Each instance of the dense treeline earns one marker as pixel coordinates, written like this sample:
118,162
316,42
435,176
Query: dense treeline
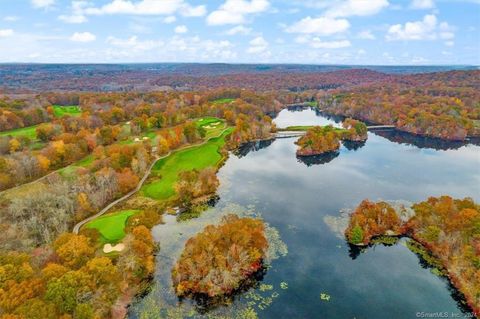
67,279
18,113
445,106
448,228
217,260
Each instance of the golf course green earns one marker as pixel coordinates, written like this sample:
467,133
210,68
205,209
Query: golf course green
112,226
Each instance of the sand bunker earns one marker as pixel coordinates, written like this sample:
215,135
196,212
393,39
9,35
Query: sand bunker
109,248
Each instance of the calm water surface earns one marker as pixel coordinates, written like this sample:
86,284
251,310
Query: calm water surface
295,197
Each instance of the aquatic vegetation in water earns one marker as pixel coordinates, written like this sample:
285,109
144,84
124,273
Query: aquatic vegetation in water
243,304
325,296
265,287
283,285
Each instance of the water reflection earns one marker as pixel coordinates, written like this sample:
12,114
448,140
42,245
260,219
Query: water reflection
353,145
422,141
318,159
246,148
355,251
204,304
302,115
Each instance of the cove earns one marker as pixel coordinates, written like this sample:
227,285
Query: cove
295,197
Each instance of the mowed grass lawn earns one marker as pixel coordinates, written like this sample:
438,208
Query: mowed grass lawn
212,125
112,226
29,131
167,169
72,110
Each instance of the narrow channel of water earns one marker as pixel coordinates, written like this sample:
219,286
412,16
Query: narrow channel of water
297,199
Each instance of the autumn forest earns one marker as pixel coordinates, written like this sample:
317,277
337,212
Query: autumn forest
96,160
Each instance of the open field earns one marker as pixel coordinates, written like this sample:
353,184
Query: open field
72,110
167,169
112,226
29,131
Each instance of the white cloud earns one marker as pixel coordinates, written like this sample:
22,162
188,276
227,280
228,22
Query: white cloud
42,3
258,45
422,4
188,49
366,35
147,7
235,11
181,29
320,26
169,19
426,29
189,11
11,18
77,16
83,37
76,19
134,44
6,33
317,43
239,29
356,8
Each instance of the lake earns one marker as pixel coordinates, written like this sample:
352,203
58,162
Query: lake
300,199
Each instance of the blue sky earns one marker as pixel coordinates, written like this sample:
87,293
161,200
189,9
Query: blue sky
241,31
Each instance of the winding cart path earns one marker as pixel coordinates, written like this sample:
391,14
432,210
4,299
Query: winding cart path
79,225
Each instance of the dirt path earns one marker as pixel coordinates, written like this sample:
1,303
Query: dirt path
77,227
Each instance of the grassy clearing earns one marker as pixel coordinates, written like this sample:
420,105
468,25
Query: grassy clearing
112,226
71,110
167,169
70,170
29,131
223,101
312,103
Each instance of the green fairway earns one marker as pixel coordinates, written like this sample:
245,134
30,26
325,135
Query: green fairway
29,132
72,110
223,101
111,226
167,169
